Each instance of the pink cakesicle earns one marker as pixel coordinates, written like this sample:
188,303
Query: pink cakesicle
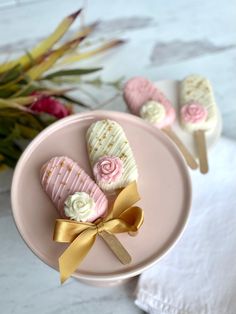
144,99
62,177
139,90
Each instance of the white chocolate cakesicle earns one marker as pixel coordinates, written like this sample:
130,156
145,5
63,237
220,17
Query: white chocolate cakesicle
198,106
110,155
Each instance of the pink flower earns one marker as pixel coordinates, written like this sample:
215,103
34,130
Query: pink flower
108,169
193,113
50,105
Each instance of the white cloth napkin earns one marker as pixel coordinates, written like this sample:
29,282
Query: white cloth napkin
198,276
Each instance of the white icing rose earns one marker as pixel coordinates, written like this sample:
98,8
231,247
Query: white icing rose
79,206
153,112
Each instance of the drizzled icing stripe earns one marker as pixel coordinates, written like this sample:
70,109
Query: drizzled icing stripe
107,138
47,177
59,192
61,177
64,188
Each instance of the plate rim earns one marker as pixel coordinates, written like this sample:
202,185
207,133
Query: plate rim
99,114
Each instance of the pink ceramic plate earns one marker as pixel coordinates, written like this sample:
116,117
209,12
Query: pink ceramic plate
164,187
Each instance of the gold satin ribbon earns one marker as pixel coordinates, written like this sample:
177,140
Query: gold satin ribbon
123,217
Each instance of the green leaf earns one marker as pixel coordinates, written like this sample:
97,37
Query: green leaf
44,46
95,82
70,73
46,119
12,115
23,100
6,126
98,82
27,89
5,93
30,57
8,162
11,75
11,151
74,101
84,55
14,135
32,121
51,58
26,132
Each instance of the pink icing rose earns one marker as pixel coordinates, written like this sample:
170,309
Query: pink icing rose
108,169
193,113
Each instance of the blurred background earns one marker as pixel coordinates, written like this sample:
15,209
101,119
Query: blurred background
164,40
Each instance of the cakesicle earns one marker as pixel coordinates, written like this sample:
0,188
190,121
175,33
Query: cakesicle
144,99
110,155
198,106
198,112
75,195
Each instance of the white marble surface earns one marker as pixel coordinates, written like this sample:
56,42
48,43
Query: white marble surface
165,40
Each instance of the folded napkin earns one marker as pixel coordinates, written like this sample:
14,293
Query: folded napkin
198,276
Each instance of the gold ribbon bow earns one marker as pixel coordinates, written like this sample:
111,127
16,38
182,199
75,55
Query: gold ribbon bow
123,217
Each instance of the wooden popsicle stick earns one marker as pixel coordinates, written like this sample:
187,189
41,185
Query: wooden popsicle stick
116,247
199,137
187,155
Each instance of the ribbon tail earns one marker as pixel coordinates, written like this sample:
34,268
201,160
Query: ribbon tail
75,253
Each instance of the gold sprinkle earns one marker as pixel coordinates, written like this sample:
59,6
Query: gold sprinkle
198,84
62,163
123,156
69,168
